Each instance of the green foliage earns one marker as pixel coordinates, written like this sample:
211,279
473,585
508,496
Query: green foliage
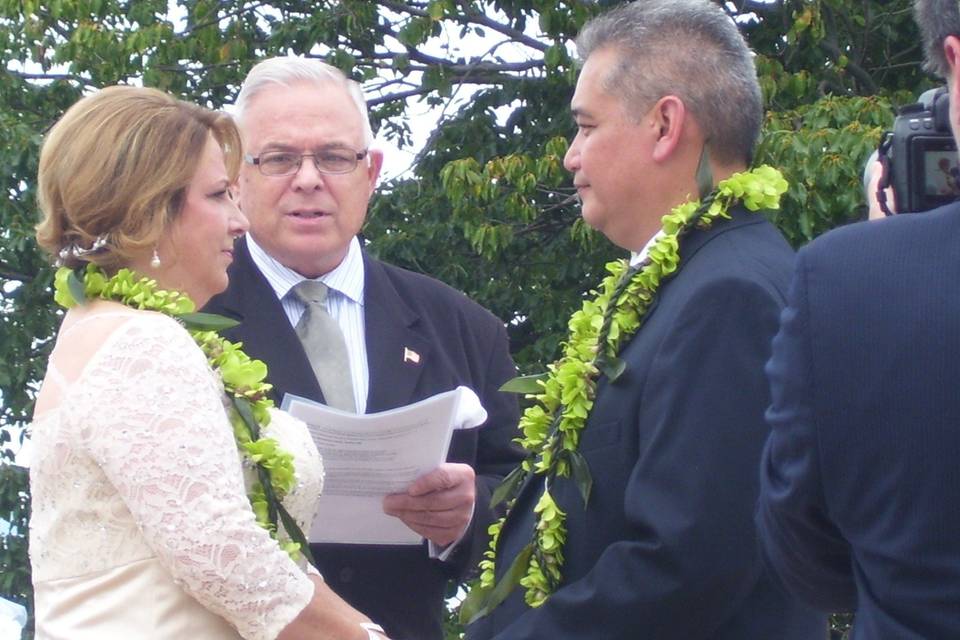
491,211
812,48
15,513
822,148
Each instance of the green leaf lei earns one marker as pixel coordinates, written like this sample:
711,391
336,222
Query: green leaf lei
243,382
564,395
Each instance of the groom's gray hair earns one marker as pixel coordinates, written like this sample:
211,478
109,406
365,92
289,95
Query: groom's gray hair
686,48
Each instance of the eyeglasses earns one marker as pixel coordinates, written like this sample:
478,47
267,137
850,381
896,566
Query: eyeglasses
332,160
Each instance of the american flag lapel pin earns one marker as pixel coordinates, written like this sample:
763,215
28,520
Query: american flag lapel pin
409,355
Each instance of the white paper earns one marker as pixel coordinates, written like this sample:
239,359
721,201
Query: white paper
367,456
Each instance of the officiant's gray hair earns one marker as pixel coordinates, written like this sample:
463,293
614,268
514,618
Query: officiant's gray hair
686,48
289,70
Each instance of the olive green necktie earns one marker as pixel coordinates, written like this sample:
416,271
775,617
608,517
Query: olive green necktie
325,347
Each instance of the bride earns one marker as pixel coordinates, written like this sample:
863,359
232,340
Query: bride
148,436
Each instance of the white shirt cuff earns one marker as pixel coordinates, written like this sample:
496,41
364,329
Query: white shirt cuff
441,553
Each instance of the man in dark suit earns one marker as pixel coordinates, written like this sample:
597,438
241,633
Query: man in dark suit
665,546
308,174
860,477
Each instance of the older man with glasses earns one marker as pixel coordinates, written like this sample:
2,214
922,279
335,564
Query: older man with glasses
335,325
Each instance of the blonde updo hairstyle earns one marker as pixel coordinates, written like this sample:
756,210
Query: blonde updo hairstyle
114,171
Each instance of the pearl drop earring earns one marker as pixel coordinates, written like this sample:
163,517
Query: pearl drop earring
155,260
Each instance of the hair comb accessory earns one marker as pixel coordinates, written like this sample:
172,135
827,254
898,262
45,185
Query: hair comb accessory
74,251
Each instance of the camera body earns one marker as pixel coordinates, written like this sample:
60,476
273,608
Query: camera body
922,163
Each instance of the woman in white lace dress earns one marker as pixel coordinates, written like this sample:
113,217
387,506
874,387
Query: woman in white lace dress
141,525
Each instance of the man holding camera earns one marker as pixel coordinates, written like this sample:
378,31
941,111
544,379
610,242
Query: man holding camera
916,167
861,474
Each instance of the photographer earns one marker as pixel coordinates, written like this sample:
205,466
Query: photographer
916,167
860,478
873,177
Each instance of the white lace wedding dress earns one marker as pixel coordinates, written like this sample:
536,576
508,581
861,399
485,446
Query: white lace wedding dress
140,526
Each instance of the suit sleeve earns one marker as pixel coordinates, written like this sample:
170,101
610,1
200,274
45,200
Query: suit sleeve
691,557
801,543
497,454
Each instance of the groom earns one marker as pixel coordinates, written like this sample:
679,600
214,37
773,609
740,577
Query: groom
665,546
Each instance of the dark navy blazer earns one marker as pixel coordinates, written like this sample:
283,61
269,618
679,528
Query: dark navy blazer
459,343
666,547
860,507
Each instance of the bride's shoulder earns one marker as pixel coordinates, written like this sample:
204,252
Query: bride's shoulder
149,332
152,323
105,327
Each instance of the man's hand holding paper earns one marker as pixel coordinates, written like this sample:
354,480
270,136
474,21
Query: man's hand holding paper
387,481
438,505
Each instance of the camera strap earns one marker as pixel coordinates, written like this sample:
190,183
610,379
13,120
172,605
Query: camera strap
884,159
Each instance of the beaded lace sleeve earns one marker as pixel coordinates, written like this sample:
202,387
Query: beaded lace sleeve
150,412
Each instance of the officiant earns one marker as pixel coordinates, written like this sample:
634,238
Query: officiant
637,521
336,325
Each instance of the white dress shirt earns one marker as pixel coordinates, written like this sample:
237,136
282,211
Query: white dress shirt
637,258
344,304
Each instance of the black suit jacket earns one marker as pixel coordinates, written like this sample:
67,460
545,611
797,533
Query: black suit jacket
459,343
666,546
861,475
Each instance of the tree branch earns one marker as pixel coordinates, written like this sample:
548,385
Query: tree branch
470,17
400,95
9,273
49,76
175,68
395,81
459,68
186,33
829,46
478,65
858,72
759,6
510,32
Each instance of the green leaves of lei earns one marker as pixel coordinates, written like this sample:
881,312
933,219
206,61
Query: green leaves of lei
243,381
564,395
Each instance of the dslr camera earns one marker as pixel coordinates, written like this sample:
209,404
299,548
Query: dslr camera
921,155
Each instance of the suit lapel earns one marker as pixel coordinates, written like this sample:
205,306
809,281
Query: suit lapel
694,242
397,353
689,247
265,331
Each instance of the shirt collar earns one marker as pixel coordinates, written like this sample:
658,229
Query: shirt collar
347,278
637,258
